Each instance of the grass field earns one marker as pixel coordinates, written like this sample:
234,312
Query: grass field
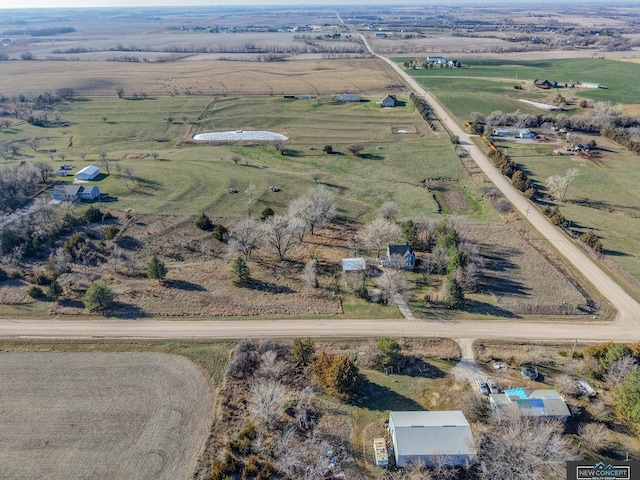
603,197
487,85
390,167
101,415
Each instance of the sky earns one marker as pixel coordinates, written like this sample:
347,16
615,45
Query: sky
13,4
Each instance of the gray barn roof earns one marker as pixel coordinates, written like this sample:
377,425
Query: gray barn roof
432,433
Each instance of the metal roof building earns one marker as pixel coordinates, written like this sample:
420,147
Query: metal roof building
354,265
432,435
88,173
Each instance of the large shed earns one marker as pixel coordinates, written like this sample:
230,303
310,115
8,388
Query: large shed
429,436
88,173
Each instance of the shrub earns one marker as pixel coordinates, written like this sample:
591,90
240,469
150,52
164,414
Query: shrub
302,351
111,232
220,233
40,278
266,213
55,290
204,223
93,215
98,297
590,238
35,292
328,149
338,375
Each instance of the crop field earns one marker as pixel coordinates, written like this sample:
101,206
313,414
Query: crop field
210,77
101,415
390,167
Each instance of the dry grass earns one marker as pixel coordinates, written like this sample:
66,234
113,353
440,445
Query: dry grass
99,415
202,77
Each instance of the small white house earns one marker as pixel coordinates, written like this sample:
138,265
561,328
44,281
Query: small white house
590,85
388,101
88,173
428,436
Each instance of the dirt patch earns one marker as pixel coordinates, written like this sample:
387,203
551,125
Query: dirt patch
451,197
101,415
133,156
404,130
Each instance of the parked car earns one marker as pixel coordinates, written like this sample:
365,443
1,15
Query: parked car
491,385
484,390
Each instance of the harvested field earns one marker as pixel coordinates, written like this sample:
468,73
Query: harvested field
101,415
206,77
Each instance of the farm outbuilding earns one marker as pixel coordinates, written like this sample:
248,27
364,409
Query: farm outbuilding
388,101
348,97
428,436
88,173
350,265
590,85
380,449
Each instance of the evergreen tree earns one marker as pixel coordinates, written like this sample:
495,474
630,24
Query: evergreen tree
156,269
204,223
55,290
302,351
98,297
452,293
390,351
409,233
240,274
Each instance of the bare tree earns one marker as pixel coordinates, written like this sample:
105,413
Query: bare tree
120,92
33,143
44,171
82,155
154,155
130,177
378,234
104,162
316,176
310,274
393,287
278,236
558,185
315,207
593,437
303,411
388,211
620,369
245,236
265,399
271,366
524,447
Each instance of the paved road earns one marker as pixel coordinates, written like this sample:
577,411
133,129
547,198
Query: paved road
624,328
628,309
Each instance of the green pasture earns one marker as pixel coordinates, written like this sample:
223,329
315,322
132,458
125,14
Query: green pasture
603,197
487,85
193,178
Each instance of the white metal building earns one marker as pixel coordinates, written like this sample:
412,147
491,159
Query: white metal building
88,173
432,435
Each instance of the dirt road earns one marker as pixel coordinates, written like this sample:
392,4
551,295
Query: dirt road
628,309
158,329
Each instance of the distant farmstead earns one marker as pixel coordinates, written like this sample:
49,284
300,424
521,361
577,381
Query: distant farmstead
88,173
590,85
545,84
348,97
